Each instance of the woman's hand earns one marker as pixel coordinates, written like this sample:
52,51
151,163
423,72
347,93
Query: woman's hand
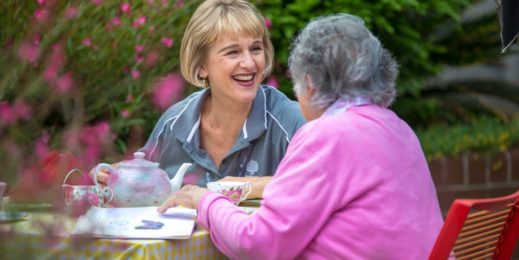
102,175
258,184
189,196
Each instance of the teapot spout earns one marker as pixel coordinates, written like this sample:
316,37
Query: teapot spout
176,182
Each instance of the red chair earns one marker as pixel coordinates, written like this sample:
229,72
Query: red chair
479,229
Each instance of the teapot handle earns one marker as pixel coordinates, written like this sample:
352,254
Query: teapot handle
99,167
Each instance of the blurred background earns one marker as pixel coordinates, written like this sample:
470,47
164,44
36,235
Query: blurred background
84,81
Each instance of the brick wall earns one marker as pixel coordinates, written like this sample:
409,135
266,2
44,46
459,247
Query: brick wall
474,175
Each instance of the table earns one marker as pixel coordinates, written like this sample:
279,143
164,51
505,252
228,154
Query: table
45,235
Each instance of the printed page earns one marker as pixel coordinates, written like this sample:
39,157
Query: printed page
138,223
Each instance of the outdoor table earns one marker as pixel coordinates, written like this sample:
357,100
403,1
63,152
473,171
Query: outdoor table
47,235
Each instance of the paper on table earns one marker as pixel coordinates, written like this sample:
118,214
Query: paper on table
138,223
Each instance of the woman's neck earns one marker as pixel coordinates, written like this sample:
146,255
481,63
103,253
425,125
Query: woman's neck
226,116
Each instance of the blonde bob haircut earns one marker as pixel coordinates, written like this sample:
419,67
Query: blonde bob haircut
216,19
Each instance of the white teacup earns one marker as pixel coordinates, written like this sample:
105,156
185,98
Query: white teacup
235,190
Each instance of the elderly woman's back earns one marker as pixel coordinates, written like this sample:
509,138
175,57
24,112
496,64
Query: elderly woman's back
364,184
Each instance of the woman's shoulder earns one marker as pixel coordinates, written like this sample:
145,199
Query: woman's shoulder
281,109
276,102
178,107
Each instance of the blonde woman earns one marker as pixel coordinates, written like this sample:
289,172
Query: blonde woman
234,128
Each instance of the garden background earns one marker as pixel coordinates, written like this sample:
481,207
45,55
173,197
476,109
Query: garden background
83,82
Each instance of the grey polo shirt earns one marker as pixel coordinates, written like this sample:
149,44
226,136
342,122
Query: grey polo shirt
262,143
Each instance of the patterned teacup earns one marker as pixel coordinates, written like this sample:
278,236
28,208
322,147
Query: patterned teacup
77,199
87,195
235,190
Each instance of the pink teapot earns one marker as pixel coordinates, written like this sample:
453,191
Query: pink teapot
139,182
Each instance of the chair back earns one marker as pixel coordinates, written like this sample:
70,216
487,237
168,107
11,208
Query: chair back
479,229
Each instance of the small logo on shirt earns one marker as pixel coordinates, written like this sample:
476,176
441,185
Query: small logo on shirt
252,167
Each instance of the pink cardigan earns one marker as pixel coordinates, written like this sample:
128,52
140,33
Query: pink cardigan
353,185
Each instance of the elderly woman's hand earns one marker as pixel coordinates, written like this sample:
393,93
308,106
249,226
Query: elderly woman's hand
189,196
258,184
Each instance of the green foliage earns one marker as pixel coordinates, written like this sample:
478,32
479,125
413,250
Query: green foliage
487,134
406,28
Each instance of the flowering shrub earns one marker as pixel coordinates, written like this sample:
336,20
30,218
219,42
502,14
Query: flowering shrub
85,78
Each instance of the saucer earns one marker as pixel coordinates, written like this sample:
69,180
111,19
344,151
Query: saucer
10,216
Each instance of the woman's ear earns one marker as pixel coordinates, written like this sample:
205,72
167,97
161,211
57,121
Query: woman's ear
310,87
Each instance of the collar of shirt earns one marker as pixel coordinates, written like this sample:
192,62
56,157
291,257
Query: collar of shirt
343,104
189,122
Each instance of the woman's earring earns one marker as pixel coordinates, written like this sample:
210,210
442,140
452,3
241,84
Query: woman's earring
206,82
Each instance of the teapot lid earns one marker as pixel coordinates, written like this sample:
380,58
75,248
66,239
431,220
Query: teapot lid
139,161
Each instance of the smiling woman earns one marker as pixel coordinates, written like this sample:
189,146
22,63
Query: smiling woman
235,127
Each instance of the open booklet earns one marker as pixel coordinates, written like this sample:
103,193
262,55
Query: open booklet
136,223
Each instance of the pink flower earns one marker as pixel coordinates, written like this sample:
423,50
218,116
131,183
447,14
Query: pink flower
125,113
136,74
22,110
139,22
168,90
97,2
167,41
41,146
87,42
65,83
41,2
139,48
151,30
116,21
151,58
272,81
7,115
71,12
125,7
29,51
150,2
54,63
268,22
179,4
129,99
41,15
165,3
139,59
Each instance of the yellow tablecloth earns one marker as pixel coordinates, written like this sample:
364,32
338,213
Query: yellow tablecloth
45,236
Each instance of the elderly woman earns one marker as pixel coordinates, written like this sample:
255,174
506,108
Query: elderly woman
354,183
235,128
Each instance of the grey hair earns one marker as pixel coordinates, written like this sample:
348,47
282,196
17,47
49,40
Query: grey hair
344,60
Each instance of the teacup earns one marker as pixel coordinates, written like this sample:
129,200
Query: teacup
2,189
83,194
235,190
